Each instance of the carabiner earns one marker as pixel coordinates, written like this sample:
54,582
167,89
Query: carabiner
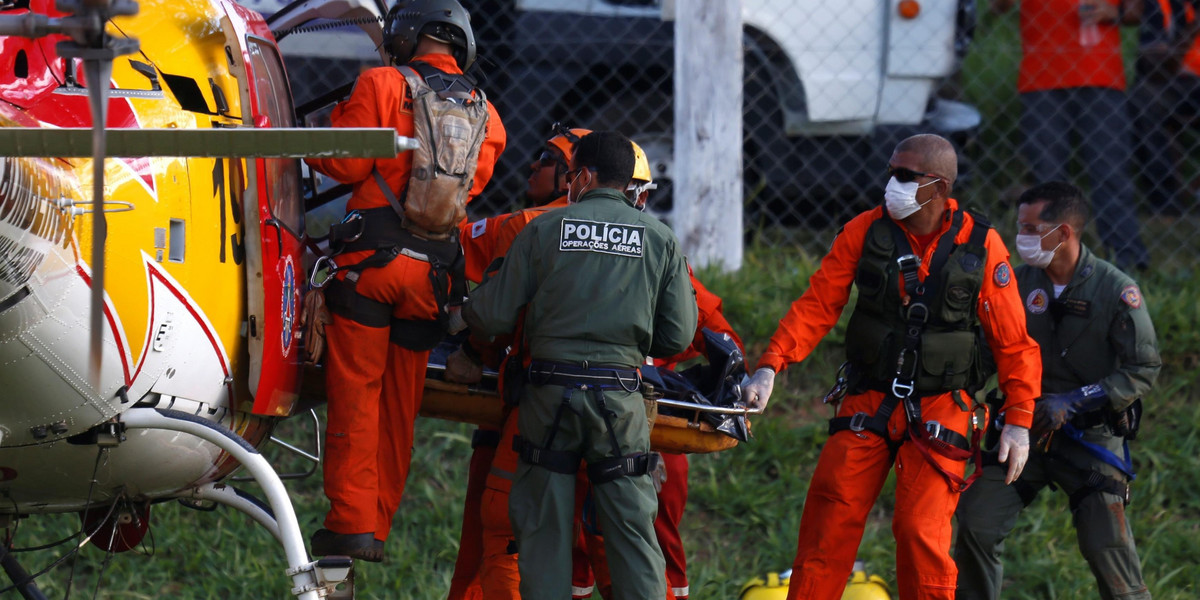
317,268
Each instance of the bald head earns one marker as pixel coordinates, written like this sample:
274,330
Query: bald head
935,153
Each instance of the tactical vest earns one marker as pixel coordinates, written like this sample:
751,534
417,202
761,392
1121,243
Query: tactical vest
950,348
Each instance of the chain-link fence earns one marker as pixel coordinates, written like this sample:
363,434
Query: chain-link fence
1051,89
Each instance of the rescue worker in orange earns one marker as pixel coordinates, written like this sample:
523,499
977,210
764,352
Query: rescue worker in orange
386,311
929,275
484,242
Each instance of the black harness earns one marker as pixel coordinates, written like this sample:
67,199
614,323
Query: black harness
928,436
593,381
381,230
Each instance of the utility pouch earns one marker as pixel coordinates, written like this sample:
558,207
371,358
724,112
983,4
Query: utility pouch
514,379
1126,423
995,405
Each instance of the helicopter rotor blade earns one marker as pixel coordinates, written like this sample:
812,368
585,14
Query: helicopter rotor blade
98,73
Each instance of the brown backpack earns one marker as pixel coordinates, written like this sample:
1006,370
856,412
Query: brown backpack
450,119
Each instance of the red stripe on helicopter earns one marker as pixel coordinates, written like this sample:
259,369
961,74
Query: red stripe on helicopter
112,324
187,303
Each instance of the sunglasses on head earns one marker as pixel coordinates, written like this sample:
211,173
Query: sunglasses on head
549,159
906,175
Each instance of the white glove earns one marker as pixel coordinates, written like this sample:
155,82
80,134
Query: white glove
1014,450
455,322
757,390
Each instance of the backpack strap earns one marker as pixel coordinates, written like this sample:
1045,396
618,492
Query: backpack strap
446,85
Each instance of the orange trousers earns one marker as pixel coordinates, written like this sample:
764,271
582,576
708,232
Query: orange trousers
672,500
374,391
464,584
849,476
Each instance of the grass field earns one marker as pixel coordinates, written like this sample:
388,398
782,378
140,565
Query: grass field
744,506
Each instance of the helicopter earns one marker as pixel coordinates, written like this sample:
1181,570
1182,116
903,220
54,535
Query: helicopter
149,321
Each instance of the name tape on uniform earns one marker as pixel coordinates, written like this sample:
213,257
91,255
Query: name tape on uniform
609,238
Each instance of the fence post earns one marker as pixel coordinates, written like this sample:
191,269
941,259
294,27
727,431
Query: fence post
708,131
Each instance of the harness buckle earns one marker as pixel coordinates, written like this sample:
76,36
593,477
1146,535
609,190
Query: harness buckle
858,422
317,267
906,367
352,217
902,390
934,428
908,262
918,312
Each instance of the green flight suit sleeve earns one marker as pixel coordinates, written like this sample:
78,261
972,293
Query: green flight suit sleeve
676,314
1132,336
493,307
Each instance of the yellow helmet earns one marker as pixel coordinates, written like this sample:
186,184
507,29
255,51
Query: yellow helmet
865,587
642,178
772,586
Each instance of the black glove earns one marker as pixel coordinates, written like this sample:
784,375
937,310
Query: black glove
1053,410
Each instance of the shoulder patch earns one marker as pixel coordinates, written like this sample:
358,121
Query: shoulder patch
1131,296
1002,275
478,228
621,239
1037,301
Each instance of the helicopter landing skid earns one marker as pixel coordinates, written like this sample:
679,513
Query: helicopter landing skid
19,576
311,580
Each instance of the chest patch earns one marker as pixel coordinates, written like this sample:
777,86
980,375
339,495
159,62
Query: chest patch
478,228
969,262
959,294
1002,275
620,239
1131,296
1037,301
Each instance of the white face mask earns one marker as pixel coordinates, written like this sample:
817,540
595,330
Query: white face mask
901,198
1029,247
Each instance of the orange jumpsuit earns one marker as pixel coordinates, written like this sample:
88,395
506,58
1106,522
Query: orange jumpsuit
853,466
374,387
483,242
672,498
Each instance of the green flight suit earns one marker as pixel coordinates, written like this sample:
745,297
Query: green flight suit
603,285
1097,331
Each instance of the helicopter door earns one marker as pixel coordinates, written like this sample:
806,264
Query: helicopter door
274,229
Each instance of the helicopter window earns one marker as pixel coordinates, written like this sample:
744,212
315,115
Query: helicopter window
275,103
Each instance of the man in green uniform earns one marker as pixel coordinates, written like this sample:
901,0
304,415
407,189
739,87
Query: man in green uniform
604,286
1099,357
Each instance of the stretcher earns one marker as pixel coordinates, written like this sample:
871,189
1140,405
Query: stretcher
481,405
684,431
